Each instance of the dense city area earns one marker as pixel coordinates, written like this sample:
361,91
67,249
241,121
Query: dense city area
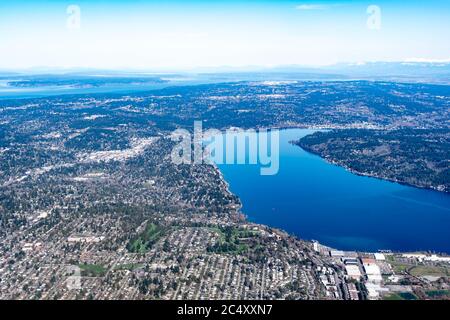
92,207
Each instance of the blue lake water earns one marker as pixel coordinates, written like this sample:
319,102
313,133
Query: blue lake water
317,200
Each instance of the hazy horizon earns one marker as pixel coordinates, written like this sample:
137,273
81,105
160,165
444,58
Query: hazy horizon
285,68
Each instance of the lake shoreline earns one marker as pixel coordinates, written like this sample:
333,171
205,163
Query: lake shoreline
364,174
246,206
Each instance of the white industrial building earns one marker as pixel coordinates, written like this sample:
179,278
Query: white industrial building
353,272
379,256
373,272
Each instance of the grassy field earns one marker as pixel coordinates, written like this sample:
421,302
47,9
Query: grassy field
92,270
128,266
417,270
401,296
143,242
430,271
230,240
437,294
397,267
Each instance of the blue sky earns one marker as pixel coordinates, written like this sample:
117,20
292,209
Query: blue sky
163,35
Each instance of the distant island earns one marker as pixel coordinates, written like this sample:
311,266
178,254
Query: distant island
77,81
415,157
